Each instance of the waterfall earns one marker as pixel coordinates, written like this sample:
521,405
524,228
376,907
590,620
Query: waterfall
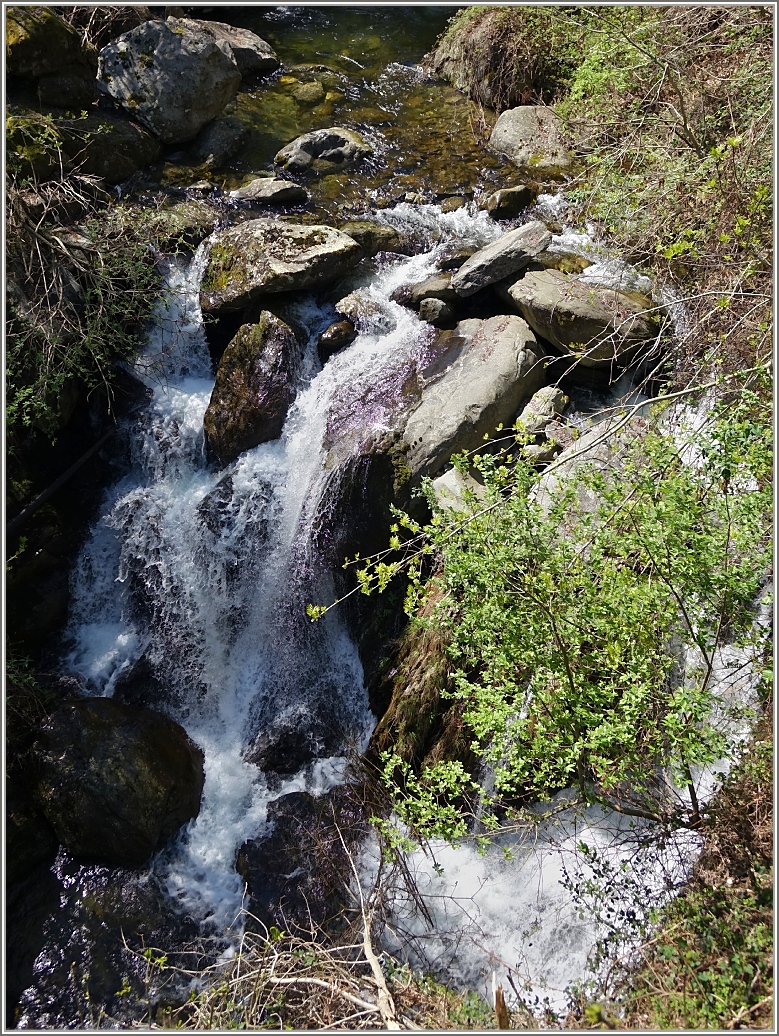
203,575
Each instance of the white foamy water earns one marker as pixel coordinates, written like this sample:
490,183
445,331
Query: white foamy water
204,574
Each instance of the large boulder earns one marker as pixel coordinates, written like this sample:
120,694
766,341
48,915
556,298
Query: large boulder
596,325
531,137
497,366
42,50
323,151
251,53
254,387
501,258
116,782
263,256
173,76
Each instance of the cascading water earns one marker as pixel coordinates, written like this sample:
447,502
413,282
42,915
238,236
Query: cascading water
205,574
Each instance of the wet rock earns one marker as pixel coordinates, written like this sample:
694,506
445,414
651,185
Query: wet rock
271,191
453,203
309,93
251,53
323,151
499,364
48,54
173,76
291,745
597,326
376,237
220,141
116,782
367,313
263,256
254,388
531,137
335,338
509,202
138,686
502,258
300,871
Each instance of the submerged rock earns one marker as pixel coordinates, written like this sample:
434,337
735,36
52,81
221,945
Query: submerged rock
502,258
531,137
254,387
323,151
173,76
596,325
116,782
264,256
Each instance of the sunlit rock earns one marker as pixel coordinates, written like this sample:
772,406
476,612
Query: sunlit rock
263,256
596,325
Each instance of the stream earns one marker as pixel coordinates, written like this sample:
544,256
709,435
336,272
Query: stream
199,577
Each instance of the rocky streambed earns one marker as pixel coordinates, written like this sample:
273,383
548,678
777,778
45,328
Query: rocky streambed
378,285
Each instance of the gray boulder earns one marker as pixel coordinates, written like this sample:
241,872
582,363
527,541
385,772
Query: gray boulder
251,53
264,256
502,258
270,191
454,491
596,325
531,137
323,151
438,313
173,76
114,781
254,387
499,365
539,412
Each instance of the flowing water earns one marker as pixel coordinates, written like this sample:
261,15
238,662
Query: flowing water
198,578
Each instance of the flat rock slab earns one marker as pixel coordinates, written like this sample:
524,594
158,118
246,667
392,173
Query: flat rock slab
498,366
271,191
596,325
502,258
531,137
265,256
